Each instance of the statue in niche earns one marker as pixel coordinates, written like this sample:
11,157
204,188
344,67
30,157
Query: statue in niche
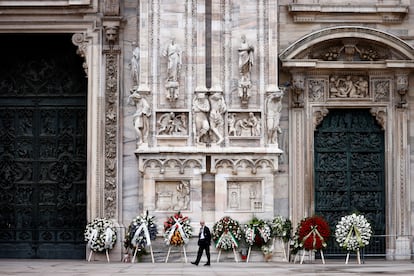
217,111
183,195
201,106
348,87
273,109
143,111
170,124
134,64
249,126
173,53
246,52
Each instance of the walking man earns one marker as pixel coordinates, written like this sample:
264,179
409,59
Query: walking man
204,241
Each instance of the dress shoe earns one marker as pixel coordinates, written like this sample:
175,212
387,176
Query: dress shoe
194,263
207,264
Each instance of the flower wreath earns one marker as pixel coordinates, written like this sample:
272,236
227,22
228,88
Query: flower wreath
257,232
177,230
312,234
100,234
281,228
227,233
140,232
353,232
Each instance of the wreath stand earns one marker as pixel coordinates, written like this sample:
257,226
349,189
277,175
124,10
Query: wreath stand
358,257
106,252
234,252
169,250
135,254
303,256
283,248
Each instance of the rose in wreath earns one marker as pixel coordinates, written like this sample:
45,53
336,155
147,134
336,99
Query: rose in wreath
353,232
100,234
257,232
177,230
313,233
227,233
141,232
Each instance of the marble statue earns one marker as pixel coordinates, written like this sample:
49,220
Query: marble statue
201,107
143,111
273,109
217,111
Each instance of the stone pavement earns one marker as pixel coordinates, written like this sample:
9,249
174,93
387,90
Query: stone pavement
80,267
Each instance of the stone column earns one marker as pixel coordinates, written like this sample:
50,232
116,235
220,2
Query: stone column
144,44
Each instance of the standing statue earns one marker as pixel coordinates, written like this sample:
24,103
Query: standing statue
273,109
173,53
246,52
218,109
134,65
201,106
141,115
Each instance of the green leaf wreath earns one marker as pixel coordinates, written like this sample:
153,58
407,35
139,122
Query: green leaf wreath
281,228
100,234
140,232
227,233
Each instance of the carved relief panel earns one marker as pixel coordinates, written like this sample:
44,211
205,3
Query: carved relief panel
172,195
245,196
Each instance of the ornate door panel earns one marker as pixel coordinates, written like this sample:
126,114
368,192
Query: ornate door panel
349,172
42,149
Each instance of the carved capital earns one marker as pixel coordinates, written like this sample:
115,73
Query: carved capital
81,42
298,87
380,114
318,116
402,87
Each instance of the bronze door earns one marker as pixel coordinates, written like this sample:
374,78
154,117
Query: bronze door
42,148
349,172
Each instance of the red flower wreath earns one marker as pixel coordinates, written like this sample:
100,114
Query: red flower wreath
313,233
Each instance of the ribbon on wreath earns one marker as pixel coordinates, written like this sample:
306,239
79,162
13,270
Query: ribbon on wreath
92,237
177,226
109,233
357,235
227,234
263,234
314,232
142,228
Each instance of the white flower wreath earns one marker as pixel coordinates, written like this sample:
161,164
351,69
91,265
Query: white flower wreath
100,234
353,232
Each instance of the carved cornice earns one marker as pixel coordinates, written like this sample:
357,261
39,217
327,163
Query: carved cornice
177,164
241,164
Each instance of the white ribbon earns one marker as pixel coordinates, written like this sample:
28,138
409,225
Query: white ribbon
108,237
142,227
92,237
177,225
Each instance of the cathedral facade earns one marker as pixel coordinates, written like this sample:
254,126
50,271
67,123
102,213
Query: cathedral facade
212,108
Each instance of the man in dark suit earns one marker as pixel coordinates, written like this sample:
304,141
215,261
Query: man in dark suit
204,241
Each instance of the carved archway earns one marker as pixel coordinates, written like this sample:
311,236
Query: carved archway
354,54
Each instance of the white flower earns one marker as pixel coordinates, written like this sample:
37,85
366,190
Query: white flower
353,232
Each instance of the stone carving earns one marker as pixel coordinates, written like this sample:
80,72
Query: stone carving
201,107
316,90
402,88
111,7
217,111
111,34
173,195
318,116
273,109
381,89
298,87
348,87
244,124
244,195
134,64
173,53
380,114
79,40
143,111
171,124
246,59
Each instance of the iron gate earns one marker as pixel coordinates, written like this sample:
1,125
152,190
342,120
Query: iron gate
349,172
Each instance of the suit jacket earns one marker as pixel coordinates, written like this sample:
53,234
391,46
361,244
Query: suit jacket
207,237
